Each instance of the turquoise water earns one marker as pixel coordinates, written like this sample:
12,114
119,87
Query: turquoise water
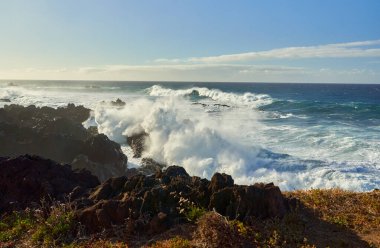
296,135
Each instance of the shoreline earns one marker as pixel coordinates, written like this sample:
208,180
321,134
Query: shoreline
162,204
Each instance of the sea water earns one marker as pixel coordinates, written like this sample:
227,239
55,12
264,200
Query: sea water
298,136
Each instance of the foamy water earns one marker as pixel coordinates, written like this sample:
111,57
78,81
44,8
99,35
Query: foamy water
249,135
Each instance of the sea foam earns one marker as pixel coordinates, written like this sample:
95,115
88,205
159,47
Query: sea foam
181,134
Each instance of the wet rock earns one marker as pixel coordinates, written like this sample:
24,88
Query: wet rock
137,143
150,166
118,103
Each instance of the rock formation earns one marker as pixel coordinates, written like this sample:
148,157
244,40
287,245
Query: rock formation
26,180
58,134
146,202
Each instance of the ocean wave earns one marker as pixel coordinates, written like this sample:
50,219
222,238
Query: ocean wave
247,99
203,146
345,111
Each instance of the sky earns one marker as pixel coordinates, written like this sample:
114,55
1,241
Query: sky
318,41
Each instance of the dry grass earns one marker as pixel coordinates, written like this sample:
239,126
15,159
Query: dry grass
357,211
176,242
214,230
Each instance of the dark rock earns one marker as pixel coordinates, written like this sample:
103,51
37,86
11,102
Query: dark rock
28,179
109,188
92,130
150,166
152,203
220,181
222,105
159,223
58,134
4,100
175,171
137,143
118,103
260,200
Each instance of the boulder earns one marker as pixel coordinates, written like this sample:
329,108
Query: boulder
220,181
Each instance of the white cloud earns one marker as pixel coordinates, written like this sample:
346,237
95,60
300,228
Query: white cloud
200,73
339,50
227,67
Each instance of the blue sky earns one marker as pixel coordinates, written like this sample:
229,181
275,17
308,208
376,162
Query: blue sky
198,40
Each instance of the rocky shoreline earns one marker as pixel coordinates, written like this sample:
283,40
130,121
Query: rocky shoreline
87,172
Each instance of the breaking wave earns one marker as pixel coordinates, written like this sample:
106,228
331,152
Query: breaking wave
246,99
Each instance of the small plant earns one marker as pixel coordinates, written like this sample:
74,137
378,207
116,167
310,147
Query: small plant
57,228
193,213
240,227
190,210
12,227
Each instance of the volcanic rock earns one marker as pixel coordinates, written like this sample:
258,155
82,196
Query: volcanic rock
28,179
137,143
153,203
58,134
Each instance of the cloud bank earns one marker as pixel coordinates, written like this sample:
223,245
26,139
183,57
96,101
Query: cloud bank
240,67
339,50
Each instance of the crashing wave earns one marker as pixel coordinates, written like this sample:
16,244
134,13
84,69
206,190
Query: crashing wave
246,99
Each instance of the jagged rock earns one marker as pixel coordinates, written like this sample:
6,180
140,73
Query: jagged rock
220,181
150,166
118,103
152,203
137,143
28,179
109,188
58,134
239,202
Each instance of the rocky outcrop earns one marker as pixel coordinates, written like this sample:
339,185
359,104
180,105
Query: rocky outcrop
26,180
153,203
118,103
137,143
150,166
58,134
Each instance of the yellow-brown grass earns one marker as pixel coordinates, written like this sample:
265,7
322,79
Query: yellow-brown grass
357,211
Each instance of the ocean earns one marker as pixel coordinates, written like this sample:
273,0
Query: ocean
298,136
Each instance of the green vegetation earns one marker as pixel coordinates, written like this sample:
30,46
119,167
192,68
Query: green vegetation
57,228
38,227
193,213
14,226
